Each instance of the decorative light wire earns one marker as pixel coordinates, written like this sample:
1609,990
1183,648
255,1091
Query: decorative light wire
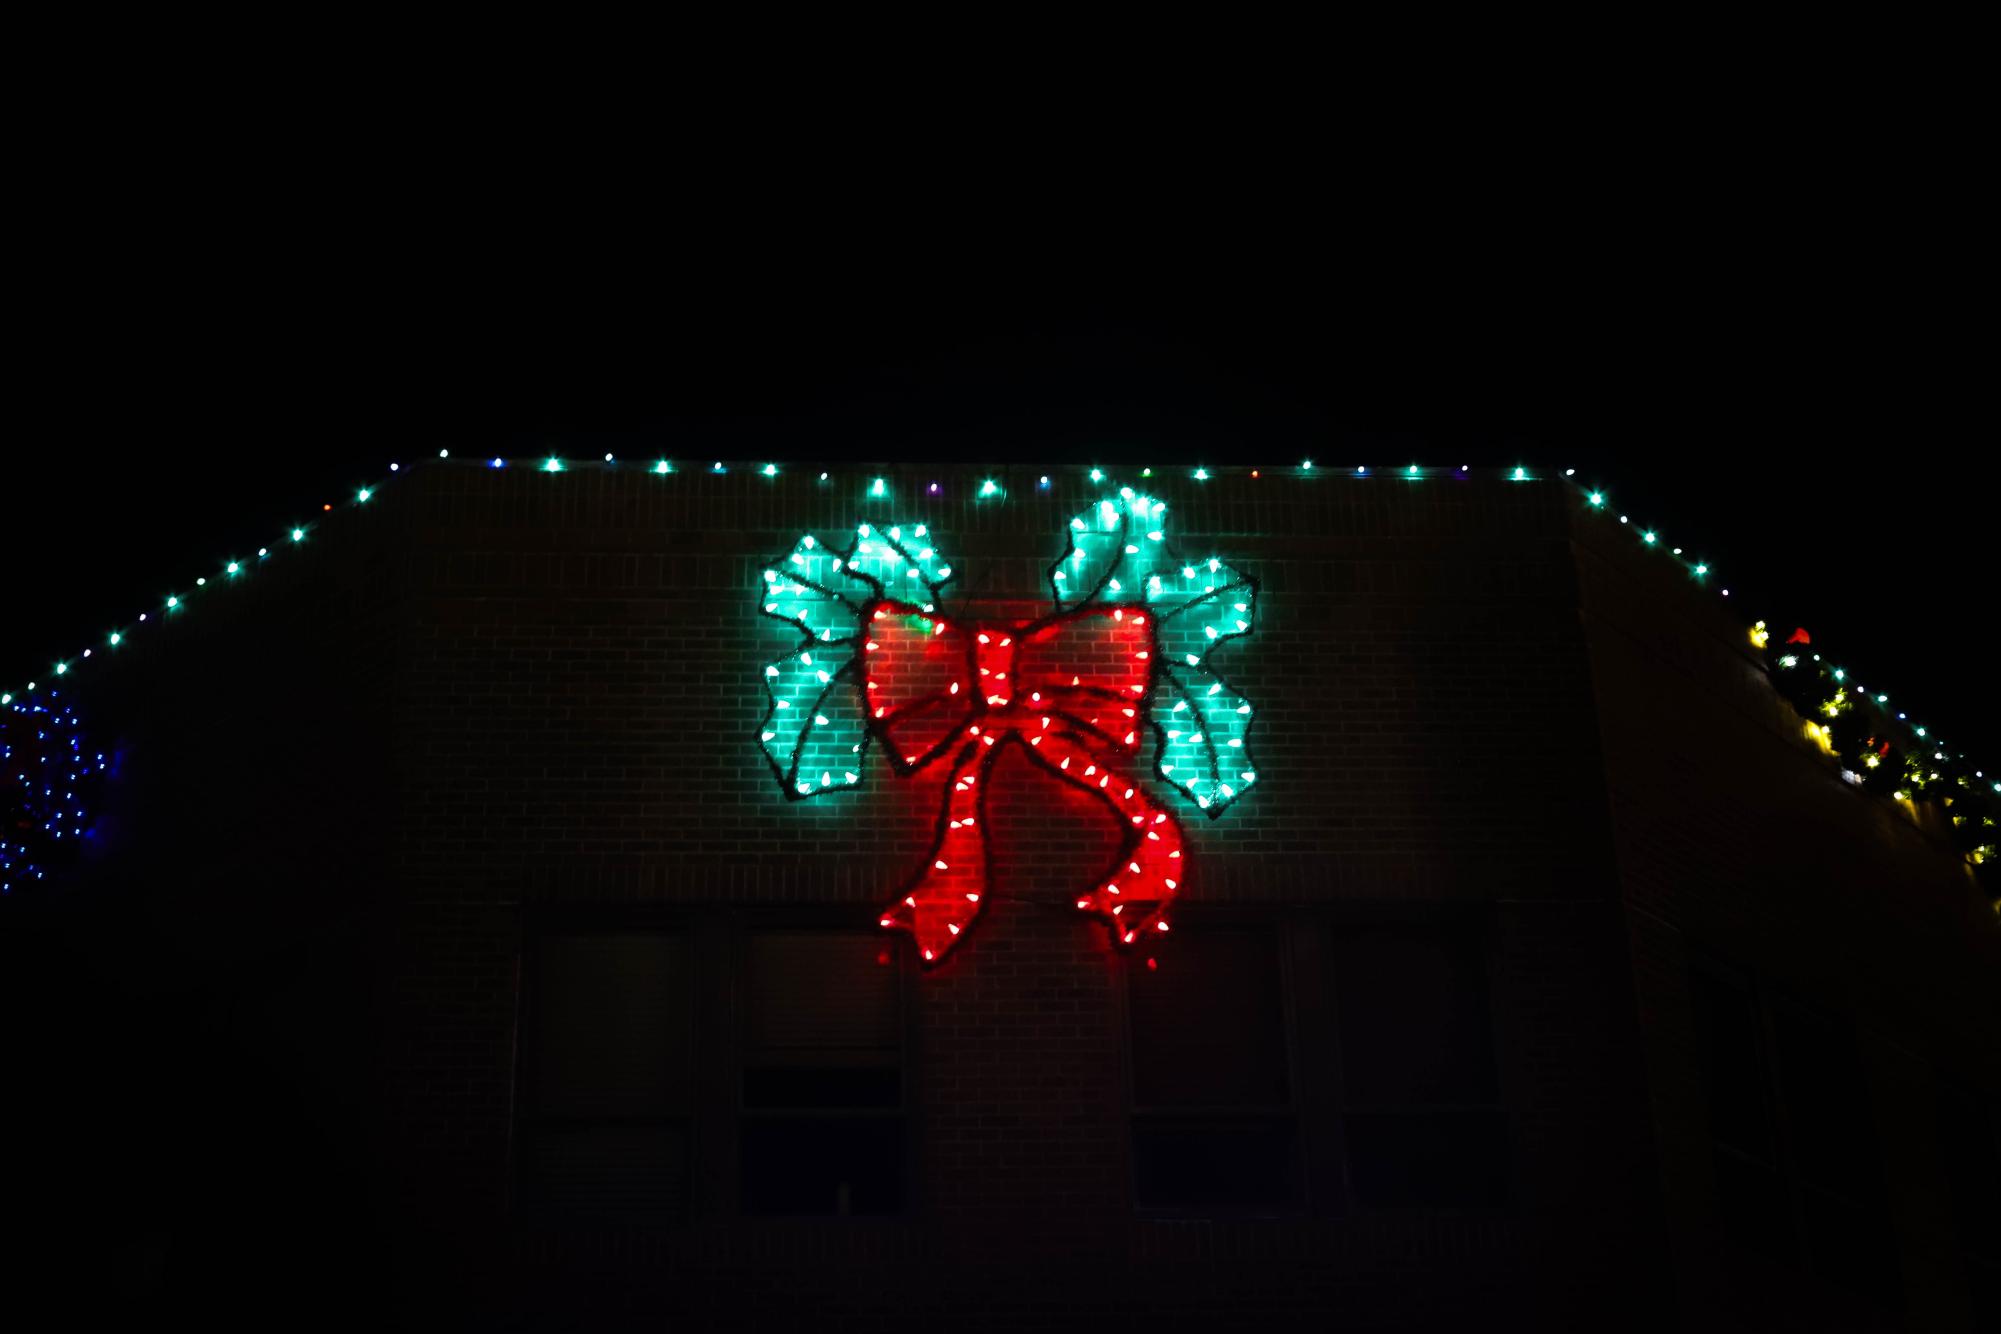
877,485
47,779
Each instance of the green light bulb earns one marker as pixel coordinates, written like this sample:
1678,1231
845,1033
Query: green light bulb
552,464
298,534
361,496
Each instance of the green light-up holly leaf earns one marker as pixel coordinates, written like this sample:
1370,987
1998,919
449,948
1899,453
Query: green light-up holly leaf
1202,721
1094,563
808,589
813,732
898,563
1118,552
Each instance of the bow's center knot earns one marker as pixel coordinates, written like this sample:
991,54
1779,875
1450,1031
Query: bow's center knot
993,659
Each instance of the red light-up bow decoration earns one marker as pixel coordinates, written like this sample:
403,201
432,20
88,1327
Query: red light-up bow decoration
1125,650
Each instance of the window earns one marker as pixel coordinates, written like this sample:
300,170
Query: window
823,1090
1214,1123
1419,1090
1798,1169
603,1132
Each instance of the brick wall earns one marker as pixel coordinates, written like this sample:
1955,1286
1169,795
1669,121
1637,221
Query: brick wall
498,695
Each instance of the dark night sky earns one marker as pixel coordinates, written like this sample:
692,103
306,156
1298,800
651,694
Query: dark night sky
1799,400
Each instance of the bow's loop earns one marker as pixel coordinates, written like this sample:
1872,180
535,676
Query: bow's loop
1090,670
920,683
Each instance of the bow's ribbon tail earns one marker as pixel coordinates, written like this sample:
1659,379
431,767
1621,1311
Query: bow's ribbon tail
1135,890
945,898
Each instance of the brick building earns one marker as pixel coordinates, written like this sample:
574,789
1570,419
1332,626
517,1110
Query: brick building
471,959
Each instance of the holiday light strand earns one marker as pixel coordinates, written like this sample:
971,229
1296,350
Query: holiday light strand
48,776
1959,776
1856,726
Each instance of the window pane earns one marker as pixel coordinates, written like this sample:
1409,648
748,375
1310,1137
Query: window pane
629,1174
1194,1162
826,991
1416,1025
1428,1159
610,1030
1735,1076
1208,1026
807,1166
